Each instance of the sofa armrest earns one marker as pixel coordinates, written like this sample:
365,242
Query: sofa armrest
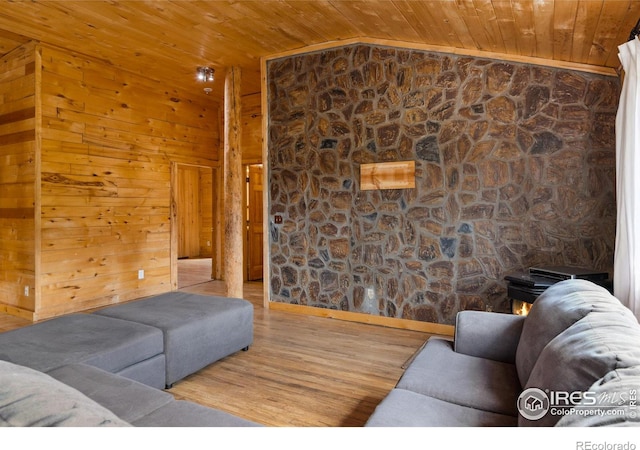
488,335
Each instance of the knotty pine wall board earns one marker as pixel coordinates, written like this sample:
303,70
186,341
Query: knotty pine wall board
206,212
110,112
128,97
251,128
17,181
107,141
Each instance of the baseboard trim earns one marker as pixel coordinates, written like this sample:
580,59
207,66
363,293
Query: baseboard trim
391,322
17,311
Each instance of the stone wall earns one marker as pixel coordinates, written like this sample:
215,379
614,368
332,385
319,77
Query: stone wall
514,167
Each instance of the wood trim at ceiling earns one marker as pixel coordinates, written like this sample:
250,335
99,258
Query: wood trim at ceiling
601,70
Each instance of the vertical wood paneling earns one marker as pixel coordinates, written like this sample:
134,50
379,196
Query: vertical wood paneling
563,34
543,23
488,22
188,212
17,181
628,21
217,269
254,247
606,37
251,129
109,138
526,38
206,212
584,29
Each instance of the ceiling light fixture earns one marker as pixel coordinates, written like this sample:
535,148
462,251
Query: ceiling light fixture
205,74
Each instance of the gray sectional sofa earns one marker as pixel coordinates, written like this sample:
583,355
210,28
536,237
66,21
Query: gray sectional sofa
108,368
573,361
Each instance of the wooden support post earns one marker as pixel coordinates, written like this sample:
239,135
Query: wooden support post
233,184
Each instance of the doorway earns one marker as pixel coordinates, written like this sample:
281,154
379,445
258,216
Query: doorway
193,236
254,236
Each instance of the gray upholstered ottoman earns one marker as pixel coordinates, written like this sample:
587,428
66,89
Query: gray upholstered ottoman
133,350
198,329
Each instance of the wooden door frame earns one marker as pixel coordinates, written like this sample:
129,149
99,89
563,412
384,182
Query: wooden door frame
216,238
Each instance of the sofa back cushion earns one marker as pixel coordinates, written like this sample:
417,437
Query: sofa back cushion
29,398
616,402
555,310
582,354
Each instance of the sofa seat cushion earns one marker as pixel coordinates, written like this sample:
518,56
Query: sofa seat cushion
31,398
198,329
555,310
439,372
149,372
585,352
187,414
402,408
104,342
616,402
126,398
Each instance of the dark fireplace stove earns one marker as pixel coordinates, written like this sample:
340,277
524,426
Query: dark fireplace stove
524,287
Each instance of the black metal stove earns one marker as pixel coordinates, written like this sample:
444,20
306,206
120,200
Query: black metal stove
525,287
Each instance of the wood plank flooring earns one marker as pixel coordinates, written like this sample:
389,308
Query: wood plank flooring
301,371
193,271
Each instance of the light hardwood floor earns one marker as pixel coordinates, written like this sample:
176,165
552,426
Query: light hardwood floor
301,370
193,271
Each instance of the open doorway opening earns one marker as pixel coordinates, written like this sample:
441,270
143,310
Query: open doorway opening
196,245
194,194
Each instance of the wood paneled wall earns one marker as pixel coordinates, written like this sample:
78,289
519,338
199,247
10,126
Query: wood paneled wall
108,140
251,129
195,211
207,195
18,162
188,211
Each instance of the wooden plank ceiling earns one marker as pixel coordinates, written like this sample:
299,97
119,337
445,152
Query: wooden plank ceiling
167,40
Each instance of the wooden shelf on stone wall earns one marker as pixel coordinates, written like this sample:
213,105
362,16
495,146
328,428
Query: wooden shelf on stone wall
388,175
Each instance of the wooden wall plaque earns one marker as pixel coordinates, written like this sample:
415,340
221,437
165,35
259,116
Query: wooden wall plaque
388,175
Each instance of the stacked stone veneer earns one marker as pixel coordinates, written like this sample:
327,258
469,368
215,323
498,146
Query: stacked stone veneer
514,167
